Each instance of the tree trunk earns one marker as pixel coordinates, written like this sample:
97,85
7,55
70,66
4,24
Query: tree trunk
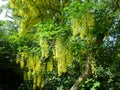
82,77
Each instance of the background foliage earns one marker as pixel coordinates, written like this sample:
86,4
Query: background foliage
54,40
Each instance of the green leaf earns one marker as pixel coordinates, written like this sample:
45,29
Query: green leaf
96,84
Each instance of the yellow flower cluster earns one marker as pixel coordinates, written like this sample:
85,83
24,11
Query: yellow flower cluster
75,25
83,26
69,56
33,10
45,48
63,56
35,68
21,64
35,65
87,26
50,65
20,59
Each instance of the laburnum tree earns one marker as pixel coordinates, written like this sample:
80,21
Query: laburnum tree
63,35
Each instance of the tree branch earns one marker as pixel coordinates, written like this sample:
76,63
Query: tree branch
82,77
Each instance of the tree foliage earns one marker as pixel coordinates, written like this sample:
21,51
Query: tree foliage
59,41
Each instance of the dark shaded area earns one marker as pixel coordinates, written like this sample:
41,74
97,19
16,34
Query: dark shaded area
10,75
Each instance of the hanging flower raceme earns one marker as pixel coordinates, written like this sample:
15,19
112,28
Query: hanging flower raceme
33,68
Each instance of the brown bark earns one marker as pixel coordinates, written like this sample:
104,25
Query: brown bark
82,77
